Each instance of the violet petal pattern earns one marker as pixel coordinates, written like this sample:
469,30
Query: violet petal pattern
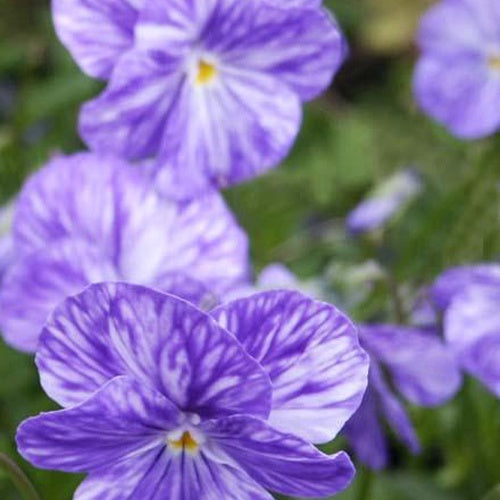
421,366
457,80
193,69
96,32
310,351
279,461
119,329
472,329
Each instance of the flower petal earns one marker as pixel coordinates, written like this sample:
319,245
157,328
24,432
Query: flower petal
310,351
365,434
280,462
472,329
96,32
423,369
37,283
120,329
453,281
123,419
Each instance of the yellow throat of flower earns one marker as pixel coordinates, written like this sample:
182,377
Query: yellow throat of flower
185,442
206,72
494,62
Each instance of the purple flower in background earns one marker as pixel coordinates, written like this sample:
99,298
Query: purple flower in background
470,298
385,201
212,90
166,403
7,255
88,218
457,80
421,369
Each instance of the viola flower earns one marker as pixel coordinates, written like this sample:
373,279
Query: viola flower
457,80
166,402
421,369
89,218
469,297
212,91
385,202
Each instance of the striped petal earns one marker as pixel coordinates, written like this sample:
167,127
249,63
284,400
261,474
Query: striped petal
96,32
310,351
166,343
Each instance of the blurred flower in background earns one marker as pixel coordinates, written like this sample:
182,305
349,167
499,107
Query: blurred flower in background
7,254
457,79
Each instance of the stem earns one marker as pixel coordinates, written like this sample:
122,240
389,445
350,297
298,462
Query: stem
365,485
17,476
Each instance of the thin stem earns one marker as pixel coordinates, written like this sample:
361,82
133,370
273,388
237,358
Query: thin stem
17,476
365,485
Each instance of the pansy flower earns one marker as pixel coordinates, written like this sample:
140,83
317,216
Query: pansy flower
212,91
89,218
457,80
165,401
405,362
469,296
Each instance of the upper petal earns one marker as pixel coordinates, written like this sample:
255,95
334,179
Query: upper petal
123,420
280,462
423,369
114,329
310,351
38,282
472,329
453,281
96,32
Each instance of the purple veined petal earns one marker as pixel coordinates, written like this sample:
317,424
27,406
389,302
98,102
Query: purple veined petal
472,329
459,92
310,351
423,369
96,32
453,281
302,47
129,117
280,462
158,477
366,435
392,409
123,420
37,283
162,341
203,145
146,236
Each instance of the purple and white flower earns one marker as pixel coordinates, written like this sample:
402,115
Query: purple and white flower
470,298
457,80
384,202
89,218
166,401
421,369
212,91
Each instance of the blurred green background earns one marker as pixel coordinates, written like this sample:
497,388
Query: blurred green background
364,128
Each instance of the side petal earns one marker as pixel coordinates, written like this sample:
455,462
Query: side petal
310,351
423,369
37,283
395,413
280,462
366,435
120,329
124,419
453,281
472,329
96,32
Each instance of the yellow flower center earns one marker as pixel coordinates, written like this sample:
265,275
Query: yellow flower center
206,72
185,442
494,62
